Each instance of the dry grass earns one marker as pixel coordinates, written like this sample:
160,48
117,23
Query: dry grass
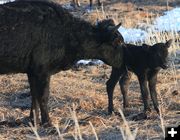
78,101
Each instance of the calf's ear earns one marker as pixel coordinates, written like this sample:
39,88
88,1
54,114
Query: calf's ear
168,43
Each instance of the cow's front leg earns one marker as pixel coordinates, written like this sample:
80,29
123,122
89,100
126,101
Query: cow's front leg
144,91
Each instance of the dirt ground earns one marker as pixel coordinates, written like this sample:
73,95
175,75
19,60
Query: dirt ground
81,92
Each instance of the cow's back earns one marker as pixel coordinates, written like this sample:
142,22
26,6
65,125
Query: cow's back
27,27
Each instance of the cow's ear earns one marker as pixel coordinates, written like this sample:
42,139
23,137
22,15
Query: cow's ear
114,28
168,43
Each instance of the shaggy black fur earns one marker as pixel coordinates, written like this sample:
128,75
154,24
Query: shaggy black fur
41,38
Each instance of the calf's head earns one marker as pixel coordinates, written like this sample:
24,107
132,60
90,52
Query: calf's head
111,42
159,53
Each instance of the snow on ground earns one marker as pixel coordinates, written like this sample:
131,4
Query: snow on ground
90,62
132,35
169,22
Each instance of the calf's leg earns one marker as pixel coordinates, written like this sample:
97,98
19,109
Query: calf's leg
144,91
110,85
152,78
124,84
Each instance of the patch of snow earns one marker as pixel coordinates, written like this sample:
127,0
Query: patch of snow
90,62
133,35
84,62
169,22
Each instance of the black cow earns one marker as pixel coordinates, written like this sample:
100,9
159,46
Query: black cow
41,38
145,61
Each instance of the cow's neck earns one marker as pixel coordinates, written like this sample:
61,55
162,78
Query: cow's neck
89,47
86,39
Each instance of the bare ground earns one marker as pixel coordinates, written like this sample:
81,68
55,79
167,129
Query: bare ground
85,88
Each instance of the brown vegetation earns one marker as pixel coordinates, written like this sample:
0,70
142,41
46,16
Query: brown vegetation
85,88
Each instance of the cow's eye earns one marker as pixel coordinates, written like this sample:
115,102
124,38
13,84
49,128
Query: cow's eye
116,42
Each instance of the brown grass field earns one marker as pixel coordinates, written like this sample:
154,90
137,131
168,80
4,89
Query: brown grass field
78,100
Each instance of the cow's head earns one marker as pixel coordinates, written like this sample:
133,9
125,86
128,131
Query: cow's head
111,42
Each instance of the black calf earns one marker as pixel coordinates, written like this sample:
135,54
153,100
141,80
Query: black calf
145,61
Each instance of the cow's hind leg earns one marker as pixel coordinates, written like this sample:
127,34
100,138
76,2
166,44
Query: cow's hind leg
43,96
34,112
124,84
40,90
